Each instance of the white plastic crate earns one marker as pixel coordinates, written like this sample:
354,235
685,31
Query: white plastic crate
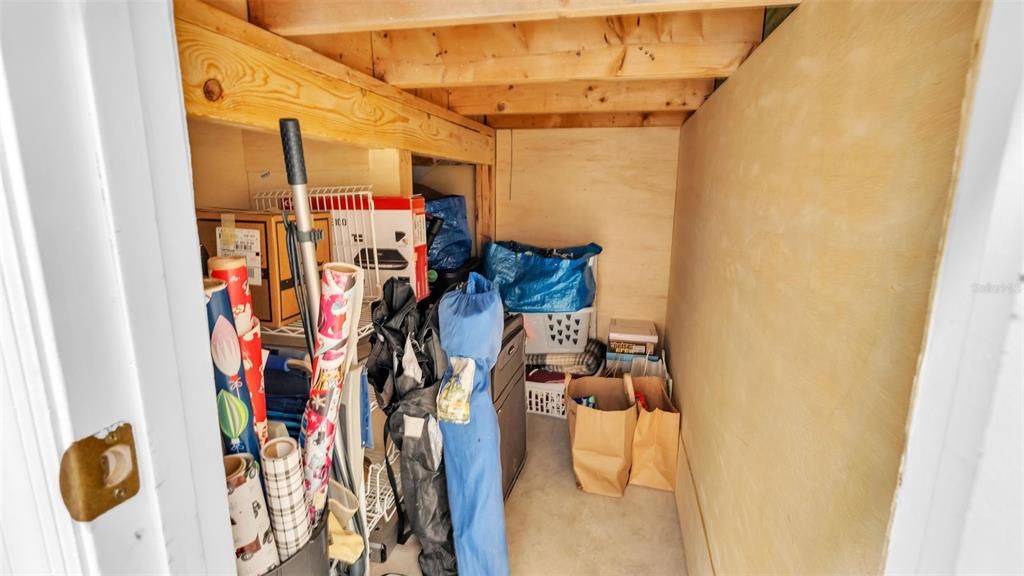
547,398
550,332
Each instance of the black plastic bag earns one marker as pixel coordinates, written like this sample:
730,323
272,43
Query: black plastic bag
406,391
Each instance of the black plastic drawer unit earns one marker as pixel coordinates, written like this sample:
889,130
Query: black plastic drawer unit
508,380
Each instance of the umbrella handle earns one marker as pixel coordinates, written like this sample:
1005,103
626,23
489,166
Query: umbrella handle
295,164
294,159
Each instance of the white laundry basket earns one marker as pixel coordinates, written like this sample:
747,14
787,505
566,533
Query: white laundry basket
550,332
546,398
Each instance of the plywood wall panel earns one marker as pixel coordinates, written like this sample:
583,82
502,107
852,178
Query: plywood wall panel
813,191
613,186
695,543
218,165
230,164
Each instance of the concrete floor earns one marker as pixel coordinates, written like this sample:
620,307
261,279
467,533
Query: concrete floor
554,528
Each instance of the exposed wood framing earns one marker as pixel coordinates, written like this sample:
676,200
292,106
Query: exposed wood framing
438,96
237,8
677,45
485,206
237,73
300,17
391,172
352,50
594,120
580,96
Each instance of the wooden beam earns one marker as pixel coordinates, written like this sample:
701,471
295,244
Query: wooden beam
594,120
352,50
211,19
237,8
581,96
678,45
485,203
300,17
237,73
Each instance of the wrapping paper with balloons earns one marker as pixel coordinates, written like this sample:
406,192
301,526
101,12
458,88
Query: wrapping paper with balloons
255,548
234,407
231,269
340,299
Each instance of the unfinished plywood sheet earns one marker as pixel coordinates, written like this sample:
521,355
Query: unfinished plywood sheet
813,191
230,164
327,163
613,186
218,165
695,543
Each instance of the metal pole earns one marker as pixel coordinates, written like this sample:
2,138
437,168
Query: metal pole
295,165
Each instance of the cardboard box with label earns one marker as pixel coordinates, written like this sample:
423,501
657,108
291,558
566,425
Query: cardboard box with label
400,226
260,237
632,337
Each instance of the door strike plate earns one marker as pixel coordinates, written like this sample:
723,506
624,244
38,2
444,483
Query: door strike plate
99,472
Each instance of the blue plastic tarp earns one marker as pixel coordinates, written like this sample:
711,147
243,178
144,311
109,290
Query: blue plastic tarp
534,279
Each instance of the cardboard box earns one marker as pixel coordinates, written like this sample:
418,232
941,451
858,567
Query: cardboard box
401,232
632,337
260,237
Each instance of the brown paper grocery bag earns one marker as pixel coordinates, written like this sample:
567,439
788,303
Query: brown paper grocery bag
601,438
656,439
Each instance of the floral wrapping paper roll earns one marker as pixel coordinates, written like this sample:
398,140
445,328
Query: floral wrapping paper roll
231,269
286,495
234,408
255,548
339,294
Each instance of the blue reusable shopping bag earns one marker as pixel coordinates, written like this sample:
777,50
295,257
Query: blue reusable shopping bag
452,245
534,279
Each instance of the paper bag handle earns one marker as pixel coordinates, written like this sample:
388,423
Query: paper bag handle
627,381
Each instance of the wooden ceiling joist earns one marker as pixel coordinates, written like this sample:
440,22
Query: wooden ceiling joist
302,17
660,46
240,74
581,96
592,120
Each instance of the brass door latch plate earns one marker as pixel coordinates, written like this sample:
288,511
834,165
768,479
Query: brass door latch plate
99,472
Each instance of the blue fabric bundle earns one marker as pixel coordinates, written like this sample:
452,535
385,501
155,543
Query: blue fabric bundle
471,322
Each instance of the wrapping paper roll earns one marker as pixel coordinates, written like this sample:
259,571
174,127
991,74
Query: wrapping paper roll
255,549
340,296
286,495
231,269
234,408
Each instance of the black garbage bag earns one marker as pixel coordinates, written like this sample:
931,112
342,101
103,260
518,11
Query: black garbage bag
405,367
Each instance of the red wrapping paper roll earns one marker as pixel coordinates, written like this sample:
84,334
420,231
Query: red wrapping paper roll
339,295
231,269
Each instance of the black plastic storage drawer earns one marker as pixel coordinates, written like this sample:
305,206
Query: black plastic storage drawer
511,364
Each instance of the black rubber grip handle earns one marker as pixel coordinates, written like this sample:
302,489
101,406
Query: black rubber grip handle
294,161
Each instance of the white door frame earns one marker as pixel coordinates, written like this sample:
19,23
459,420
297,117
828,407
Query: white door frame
103,309
102,312
972,310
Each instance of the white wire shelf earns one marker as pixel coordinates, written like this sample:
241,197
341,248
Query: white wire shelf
353,229
380,499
